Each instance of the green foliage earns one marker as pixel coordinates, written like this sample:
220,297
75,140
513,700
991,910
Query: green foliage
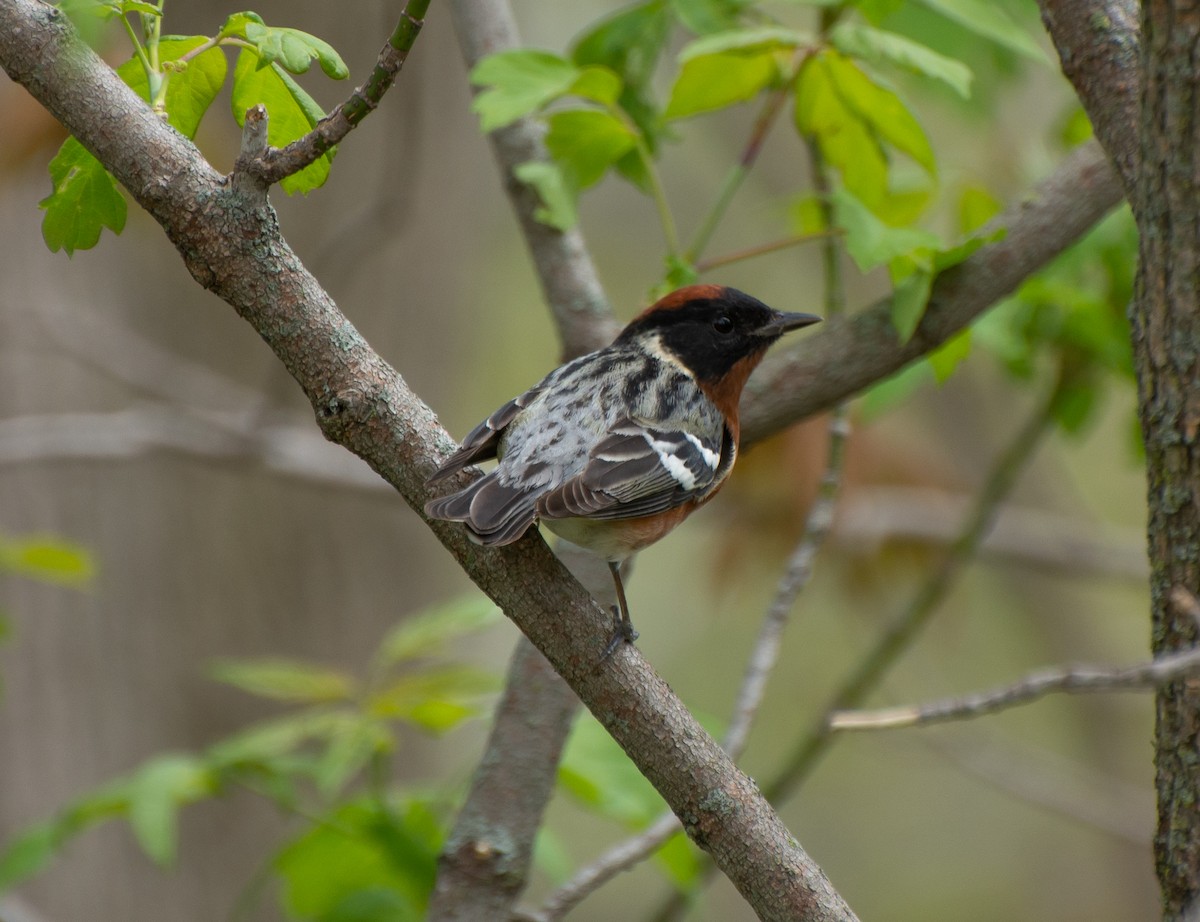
48,560
371,860
368,856
1074,310
860,125
180,76
85,200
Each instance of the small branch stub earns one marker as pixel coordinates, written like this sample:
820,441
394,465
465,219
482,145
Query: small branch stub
254,145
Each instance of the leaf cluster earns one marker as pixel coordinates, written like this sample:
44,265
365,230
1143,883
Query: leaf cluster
180,76
833,65
369,851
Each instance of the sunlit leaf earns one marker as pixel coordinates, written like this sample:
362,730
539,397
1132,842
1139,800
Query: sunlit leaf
586,142
598,84
191,88
881,110
713,81
988,20
518,83
629,43
860,40
764,38
294,50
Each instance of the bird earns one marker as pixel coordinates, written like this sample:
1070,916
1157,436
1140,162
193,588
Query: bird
612,450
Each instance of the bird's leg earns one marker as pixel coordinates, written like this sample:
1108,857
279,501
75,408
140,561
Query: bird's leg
622,626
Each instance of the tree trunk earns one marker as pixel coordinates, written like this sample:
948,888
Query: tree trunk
1166,340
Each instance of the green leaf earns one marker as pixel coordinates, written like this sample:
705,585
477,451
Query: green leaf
945,359
292,114
891,392
558,202
879,47
276,740
437,699
843,137
600,776
294,50
284,680
680,859
869,241
351,746
29,852
707,16
431,630
598,84
763,38
910,297
714,81
85,200
156,793
881,110
50,560
519,83
191,89
362,849
586,142
629,43
976,206
988,20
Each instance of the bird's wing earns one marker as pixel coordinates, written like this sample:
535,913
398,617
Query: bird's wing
482,441
638,470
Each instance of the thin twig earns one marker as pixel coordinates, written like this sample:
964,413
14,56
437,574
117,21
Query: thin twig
903,630
1064,679
762,249
277,163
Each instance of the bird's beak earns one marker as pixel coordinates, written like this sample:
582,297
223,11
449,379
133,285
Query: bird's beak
782,322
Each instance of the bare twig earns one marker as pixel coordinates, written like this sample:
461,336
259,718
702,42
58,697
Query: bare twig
1063,679
272,165
904,628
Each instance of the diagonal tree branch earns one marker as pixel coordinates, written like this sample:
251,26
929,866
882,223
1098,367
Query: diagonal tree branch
228,237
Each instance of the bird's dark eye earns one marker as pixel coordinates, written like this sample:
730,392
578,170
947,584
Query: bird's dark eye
723,325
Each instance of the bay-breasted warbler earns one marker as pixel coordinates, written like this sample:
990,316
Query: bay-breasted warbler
614,449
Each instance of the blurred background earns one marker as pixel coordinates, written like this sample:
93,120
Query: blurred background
145,423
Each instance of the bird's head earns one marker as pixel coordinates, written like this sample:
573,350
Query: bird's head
718,334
